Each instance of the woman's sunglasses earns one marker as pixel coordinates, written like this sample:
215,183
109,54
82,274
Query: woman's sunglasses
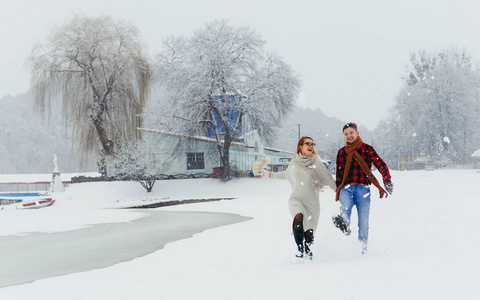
309,144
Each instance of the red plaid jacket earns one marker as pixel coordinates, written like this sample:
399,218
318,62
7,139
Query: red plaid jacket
356,174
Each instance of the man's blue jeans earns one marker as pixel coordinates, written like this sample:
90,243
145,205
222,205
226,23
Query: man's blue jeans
356,195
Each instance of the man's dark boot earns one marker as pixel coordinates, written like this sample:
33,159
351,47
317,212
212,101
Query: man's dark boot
341,224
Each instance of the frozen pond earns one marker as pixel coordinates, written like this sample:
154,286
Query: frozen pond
29,257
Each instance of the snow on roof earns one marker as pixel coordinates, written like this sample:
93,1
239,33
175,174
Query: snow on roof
278,150
476,154
183,136
205,139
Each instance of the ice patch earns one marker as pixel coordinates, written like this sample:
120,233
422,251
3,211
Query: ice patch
446,139
301,182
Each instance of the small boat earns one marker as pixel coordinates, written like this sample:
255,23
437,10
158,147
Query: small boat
25,202
35,203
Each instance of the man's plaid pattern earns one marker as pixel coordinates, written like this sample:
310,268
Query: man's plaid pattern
356,174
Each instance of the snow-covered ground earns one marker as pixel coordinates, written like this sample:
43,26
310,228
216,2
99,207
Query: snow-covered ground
423,243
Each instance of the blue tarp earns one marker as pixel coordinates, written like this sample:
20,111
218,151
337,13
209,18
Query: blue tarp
19,194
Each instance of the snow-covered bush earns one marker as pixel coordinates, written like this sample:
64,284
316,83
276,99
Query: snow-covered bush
133,161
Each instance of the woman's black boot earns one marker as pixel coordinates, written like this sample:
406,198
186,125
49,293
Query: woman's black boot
308,241
298,234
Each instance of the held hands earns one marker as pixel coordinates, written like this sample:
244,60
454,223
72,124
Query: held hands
259,165
388,186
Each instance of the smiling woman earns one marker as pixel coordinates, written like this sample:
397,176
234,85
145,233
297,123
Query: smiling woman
306,146
307,176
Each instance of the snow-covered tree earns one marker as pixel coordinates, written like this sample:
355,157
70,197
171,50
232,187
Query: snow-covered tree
218,78
98,67
133,161
437,112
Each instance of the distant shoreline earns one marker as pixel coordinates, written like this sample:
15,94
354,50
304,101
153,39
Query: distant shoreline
176,202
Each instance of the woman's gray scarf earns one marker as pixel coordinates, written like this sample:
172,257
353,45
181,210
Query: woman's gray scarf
308,162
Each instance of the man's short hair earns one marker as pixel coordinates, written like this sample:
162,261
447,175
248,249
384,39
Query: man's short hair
353,125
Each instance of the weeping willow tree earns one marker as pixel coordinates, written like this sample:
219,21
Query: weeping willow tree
99,69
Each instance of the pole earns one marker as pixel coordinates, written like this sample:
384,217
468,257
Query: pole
298,130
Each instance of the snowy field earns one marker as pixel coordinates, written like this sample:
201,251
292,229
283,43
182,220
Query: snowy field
423,243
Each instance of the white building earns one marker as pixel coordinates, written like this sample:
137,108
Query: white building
179,154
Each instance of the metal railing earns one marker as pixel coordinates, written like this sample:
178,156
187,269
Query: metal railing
27,187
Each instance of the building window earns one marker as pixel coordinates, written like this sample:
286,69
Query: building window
195,161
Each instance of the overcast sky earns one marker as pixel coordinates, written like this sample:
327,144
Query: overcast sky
350,55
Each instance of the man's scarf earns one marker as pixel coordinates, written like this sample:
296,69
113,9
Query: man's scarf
352,154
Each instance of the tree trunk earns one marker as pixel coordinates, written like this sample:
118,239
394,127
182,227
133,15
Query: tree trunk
109,165
102,135
226,176
225,158
107,145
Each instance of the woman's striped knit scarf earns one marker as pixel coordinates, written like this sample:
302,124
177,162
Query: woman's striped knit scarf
352,154
308,162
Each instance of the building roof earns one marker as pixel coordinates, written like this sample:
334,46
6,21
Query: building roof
476,154
206,139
